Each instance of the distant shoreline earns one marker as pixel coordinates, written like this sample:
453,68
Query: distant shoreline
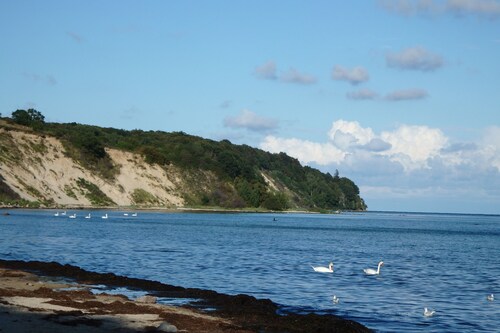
168,210
232,210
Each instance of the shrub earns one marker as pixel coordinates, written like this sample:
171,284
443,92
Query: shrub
143,197
93,193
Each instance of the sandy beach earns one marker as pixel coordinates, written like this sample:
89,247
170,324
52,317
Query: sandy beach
28,304
43,297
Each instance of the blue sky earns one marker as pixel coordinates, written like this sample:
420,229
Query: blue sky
401,96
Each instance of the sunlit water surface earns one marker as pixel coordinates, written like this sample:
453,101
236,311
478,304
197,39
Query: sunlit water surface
449,263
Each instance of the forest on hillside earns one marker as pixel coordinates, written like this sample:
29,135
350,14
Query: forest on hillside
240,168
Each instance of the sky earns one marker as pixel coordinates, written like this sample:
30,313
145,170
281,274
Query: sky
401,96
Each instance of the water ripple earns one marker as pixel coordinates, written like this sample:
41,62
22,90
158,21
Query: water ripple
444,262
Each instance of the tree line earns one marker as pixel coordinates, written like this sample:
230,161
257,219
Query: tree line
239,168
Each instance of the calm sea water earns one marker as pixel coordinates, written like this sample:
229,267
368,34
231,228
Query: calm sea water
449,263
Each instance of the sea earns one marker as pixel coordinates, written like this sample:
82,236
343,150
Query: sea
449,263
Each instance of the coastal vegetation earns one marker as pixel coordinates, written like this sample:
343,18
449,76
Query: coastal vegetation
93,193
216,173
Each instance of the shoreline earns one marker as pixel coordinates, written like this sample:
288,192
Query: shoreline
171,210
229,313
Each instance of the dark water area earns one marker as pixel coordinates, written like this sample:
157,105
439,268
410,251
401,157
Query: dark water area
446,262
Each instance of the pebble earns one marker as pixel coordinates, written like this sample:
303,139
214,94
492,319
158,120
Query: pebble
146,299
166,327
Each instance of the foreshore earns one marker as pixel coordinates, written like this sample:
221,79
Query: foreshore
49,297
5,208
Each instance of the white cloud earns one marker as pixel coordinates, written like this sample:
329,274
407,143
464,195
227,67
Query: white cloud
376,145
251,121
492,136
413,146
345,134
266,71
491,144
408,162
305,151
405,95
414,58
354,76
294,76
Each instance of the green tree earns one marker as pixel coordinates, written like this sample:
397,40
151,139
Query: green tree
275,201
242,168
30,117
252,192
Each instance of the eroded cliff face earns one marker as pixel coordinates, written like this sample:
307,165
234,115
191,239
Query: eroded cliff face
37,168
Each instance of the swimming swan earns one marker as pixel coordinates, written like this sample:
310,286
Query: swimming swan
105,216
428,313
371,271
88,216
72,216
335,299
321,269
490,298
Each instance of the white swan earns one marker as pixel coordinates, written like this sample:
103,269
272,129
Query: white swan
63,213
490,298
88,216
321,269
335,299
105,216
371,271
72,216
56,214
428,313
134,214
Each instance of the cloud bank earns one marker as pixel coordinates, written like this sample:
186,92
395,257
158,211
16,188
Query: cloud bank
407,161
